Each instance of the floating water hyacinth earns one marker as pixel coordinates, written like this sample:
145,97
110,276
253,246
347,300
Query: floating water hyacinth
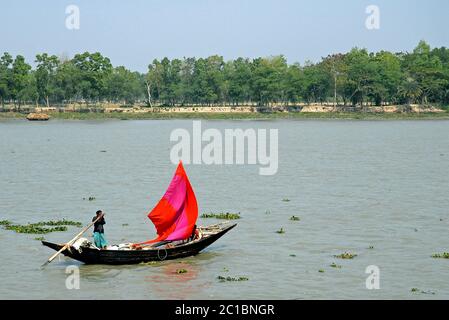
232,279
444,255
222,215
416,290
31,228
280,231
5,223
42,227
346,255
294,218
62,222
181,271
334,265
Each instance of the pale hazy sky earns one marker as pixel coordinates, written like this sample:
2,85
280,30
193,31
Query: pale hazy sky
134,32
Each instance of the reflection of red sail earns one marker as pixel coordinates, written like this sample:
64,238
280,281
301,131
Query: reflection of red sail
175,215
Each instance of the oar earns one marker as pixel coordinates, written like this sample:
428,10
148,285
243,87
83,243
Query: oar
68,244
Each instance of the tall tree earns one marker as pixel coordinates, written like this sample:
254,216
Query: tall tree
269,76
5,77
20,79
94,69
46,75
361,71
427,70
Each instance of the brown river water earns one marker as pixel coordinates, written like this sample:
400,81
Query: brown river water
379,189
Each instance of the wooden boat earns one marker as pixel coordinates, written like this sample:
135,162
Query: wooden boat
95,256
175,219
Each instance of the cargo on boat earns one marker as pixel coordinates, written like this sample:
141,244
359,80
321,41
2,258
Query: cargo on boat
38,117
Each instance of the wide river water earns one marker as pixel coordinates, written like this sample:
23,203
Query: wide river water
378,189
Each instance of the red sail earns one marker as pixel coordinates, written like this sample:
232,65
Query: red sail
176,213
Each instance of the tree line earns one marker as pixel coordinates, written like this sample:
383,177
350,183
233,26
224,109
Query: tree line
357,77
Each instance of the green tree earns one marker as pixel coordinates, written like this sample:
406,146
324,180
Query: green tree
68,82
387,78
20,79
46,76
94,69
5,77
360,76
410,90
427,70
124,85
316,83
209,79
294,83
269,79
237,80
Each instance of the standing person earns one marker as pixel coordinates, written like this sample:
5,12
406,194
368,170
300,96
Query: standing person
99,239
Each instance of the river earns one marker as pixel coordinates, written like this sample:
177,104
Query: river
378,189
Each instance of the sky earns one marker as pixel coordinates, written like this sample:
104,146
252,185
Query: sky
134,32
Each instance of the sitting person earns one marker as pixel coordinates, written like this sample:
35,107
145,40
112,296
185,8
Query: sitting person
195,233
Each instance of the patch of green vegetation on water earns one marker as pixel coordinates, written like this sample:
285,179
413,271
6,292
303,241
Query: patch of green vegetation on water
280,231
232,279
222,215
62,222
336,266
181,271
346,255
33,229
416,290
321,271
286,200
294,218
39,238
42,227
5,223
444,255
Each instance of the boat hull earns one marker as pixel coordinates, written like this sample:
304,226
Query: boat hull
116,257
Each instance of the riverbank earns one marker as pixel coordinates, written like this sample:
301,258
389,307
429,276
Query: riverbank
236,116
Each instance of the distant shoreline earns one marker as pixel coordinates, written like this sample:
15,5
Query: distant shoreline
236,116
